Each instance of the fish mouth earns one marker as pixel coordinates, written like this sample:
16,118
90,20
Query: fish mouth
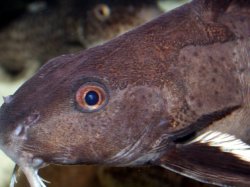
13,141
13,144
25,162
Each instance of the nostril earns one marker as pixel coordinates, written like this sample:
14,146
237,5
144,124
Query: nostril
32,119
21,130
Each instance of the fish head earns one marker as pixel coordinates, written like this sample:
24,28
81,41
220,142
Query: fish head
144,94
85,109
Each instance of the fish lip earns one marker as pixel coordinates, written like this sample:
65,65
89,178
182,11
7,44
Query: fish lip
22,158
13,144
12,154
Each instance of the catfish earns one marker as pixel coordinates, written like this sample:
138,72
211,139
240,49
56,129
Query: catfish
173,92
48,28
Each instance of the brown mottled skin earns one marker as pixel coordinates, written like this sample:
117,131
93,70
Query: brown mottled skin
167,81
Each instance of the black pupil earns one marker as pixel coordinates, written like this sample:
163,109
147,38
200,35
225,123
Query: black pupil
91,98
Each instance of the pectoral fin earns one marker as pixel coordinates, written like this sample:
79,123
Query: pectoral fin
213,157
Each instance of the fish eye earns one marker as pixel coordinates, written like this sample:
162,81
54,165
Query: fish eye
91,97
102,12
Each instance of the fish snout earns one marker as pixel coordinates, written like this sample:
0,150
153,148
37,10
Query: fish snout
14,135
14,132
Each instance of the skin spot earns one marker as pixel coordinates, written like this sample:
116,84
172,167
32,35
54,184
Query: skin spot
215,70
242,20
195,54
178,116
191,98
222,58
192,113
241,70
216,92
202,69
210,59
241,38
213,80
183,58
233,25
199,104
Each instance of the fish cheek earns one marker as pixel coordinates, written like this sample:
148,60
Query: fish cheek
127,118
73,136
137,109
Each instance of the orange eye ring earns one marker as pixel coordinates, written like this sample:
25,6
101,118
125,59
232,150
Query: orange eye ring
91,97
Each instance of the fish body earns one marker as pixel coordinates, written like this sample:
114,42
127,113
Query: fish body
46,29
173,92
